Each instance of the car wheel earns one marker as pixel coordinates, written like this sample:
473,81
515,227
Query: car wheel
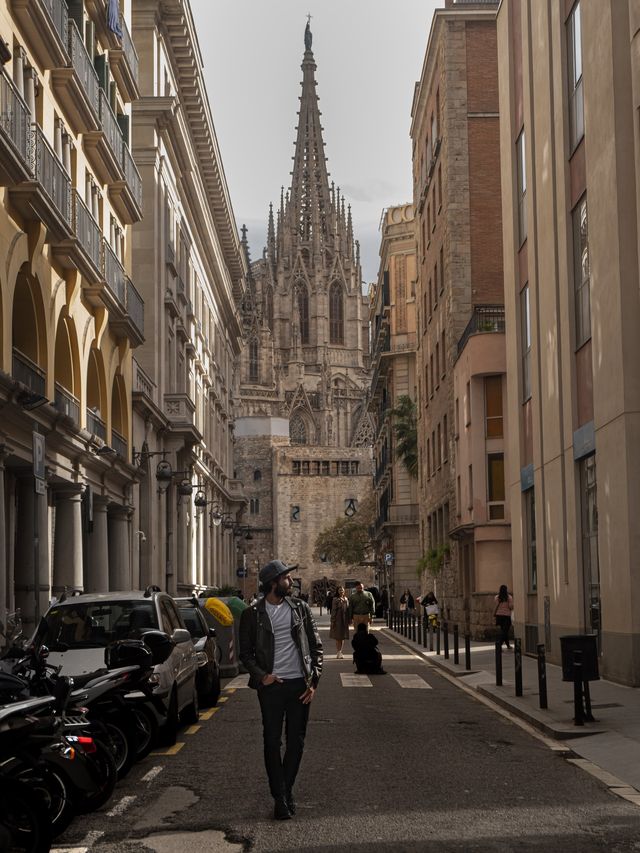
169,732
146,726
191,713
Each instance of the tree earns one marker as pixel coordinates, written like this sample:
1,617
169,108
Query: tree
405,428
347,540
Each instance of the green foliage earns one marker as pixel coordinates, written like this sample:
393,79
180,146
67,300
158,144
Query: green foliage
433,561
405,429
347,540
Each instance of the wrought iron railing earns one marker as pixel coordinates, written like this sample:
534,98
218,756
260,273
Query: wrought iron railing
119,444
96,425
87,231
114,274
27,372
59,14
485,318
129,50
83,66
15,119
110,127
131,174
65,402
134,306
53,176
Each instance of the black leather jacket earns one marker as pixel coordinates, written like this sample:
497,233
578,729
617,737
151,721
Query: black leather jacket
257,644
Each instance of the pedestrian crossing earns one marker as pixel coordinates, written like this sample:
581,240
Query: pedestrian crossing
407,680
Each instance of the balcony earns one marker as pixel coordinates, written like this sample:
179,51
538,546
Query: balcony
66,403
485,318
126,195
96,425
114,277
46,199
77,87
104,146
83,250
28,372
15,135
119,444
123,62
44,25
180,411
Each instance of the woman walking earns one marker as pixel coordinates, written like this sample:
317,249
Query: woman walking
339,630
502,613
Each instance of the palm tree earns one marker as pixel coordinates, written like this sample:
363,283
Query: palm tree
406,432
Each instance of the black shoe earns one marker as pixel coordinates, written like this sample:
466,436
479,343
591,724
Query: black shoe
291,803
281,810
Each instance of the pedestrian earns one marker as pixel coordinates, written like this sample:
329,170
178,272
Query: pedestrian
502,614
339,630
408,601
366,655
431,609
328,601
282,651
361,606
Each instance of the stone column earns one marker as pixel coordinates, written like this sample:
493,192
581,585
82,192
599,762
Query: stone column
96,577
119,548
4,579
67,553
31,554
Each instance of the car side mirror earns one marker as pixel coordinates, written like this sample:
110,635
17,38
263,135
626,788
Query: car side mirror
181,635
160,643
212,633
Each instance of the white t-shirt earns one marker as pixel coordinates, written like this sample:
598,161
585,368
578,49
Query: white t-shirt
286,662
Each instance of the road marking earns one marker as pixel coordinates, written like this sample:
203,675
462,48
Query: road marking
85,845
69,849
91,837
121,806
238,682
151,774
412,681
230,690
192,730
206,715
223,699
350,680
172,750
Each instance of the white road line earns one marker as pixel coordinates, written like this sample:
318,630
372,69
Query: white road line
121,806
412,681
69,849
91,837
351,680
151,774
85,845
238,681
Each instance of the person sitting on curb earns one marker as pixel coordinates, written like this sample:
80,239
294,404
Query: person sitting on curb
366,655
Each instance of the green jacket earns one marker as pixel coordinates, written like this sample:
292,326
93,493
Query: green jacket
361,604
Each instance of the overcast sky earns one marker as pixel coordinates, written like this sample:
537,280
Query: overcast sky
369,55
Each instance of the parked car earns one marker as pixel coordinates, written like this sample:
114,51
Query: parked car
77,630
202,627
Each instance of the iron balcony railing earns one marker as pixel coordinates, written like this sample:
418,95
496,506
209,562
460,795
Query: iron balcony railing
66,403
134,306
131,174
15,119
110,127
485,318
51,174
129,50
59,14
27,372
119,444
114,274
87,231
83,66
96,425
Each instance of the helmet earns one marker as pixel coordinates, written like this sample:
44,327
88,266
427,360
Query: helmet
273,570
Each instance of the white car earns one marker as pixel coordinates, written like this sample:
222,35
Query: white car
78,629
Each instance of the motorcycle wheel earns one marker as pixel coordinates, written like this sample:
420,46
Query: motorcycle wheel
24,819
121,740
104,770
146,728
54,791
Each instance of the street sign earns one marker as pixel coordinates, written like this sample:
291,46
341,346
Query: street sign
388,558
38,462
242,573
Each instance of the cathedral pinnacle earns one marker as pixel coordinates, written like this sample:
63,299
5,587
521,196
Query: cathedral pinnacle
308,38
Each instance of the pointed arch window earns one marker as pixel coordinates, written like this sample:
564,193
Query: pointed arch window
303,313
253,360
268,307
297,430
336,314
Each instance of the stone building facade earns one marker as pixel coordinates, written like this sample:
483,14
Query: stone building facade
456,172
304,366
393,367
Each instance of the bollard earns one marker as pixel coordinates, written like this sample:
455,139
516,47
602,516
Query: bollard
517,660
405,624
587,702
413,627
498,663
542,676
424,632
430,637
456,644
578,711
467,651
438,640
445,635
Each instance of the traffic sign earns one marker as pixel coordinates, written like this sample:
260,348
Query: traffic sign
242,573
388,558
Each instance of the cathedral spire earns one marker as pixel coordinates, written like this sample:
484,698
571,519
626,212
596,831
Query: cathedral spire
310,194
271,235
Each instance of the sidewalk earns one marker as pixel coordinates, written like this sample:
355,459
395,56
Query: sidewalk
612,742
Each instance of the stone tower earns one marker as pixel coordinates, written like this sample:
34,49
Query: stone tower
305,362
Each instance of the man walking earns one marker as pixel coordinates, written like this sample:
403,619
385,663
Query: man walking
362,607
281,649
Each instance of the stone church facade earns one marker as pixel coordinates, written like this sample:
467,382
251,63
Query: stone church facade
302,430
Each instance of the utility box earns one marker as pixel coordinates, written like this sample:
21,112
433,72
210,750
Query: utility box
588,645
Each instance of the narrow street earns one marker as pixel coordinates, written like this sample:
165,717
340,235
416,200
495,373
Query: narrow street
401,762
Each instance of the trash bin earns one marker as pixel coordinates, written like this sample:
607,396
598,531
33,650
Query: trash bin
226,635
588,645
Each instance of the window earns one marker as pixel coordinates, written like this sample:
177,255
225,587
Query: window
439,446
441,270
467,406
428,457
493,406
268,307
253,360
445,439
257,475
470,487
456,416
297,430
530,532
254,506
434,128
439,188
521,167
590,563
433,202
443,351
525,322
435,286
495,486
430,300
303,313
574,62
581,273
437,364
297,467
336,314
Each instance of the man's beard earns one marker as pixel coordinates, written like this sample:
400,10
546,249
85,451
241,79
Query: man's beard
281,589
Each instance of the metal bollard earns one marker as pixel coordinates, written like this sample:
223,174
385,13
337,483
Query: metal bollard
438,640
542,676
445,636
517,660
424,632
498,663
413,627
456,643
578,711
467,651
587,704
405,623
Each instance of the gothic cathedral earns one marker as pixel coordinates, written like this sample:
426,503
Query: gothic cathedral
302,430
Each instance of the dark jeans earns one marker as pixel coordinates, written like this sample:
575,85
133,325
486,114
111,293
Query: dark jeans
505,626
281,703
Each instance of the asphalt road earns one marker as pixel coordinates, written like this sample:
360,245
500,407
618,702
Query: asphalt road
386,769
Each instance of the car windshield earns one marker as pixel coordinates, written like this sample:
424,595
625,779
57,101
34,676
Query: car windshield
193,624
95,624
